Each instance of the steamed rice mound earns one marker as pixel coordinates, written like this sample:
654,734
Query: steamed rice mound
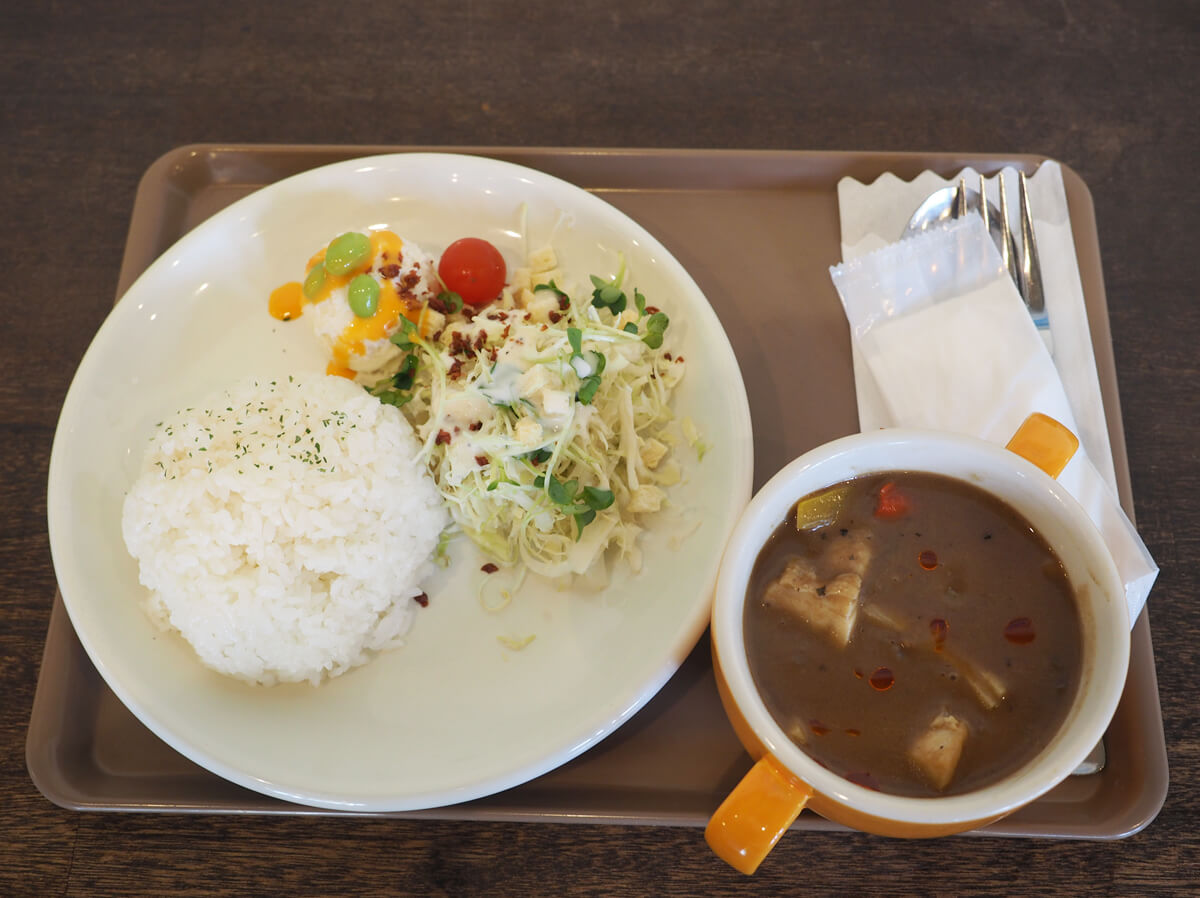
283,528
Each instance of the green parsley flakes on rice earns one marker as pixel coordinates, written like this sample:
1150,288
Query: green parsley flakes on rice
283,528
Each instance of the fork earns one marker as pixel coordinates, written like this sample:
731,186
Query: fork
1025,272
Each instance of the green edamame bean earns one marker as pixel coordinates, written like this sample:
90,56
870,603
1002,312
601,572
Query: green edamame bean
314,281
363,294
347,252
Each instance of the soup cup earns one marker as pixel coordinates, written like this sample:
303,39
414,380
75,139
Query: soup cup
784,779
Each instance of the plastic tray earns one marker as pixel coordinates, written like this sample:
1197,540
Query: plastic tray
758,231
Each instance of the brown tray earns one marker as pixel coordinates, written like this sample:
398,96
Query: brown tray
757,230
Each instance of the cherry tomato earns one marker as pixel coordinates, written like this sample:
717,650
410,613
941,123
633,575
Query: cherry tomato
474,269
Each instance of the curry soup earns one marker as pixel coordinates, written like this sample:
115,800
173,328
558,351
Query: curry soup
913,634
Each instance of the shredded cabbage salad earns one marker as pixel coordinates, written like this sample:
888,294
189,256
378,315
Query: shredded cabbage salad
545,416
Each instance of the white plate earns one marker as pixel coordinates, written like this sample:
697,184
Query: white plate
452,715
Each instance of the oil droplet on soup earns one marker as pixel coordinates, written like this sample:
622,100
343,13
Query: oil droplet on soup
1020,630
882,679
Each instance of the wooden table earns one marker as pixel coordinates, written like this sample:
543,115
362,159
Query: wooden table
92,97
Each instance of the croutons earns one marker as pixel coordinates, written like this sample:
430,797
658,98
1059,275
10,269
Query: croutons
536,378
646,498
652,452
540,304
543,259
519,280
528,432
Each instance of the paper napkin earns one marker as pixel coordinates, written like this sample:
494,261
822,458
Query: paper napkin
943,341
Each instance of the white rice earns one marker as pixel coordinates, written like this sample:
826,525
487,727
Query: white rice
283,528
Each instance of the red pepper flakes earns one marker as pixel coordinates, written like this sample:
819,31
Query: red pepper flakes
421,599
489,568
892,503
442,438
481,460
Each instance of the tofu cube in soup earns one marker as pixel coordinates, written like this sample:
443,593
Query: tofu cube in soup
937,750
850,553
829,606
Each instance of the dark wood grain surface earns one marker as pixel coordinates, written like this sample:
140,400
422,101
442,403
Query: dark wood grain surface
92,95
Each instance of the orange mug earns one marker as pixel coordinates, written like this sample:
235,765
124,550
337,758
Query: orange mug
784,780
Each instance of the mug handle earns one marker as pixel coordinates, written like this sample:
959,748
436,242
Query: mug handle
755,814
1045,442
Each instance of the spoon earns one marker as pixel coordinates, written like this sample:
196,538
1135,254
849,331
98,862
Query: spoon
948,203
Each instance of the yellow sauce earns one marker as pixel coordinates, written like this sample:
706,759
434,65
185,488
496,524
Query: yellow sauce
385,246
287,302
379,326
339,371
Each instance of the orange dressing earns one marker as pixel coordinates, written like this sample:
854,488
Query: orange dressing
338,370
286,302
379,326
385,246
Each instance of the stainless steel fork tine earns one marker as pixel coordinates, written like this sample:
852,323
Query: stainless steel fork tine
960,199
1031,269
1006,252
983,204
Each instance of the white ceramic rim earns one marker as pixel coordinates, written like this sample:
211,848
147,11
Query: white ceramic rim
901,449
731,436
